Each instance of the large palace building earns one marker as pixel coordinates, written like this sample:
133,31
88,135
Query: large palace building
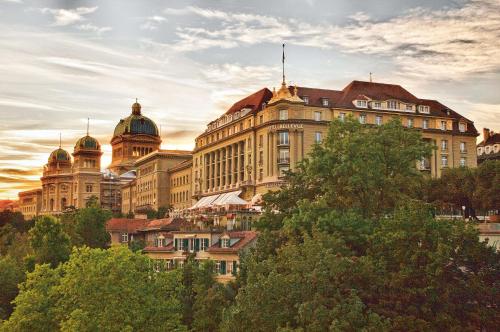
246,151
242,154
71,182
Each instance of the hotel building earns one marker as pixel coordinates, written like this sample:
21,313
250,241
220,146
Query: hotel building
249,147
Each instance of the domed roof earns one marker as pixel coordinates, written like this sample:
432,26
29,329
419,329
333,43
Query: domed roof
59,155
136,124
87,143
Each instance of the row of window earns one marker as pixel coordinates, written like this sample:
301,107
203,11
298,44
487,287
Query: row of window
139,151
444,146
393,105
283,115
180,197
180,180
222,267
444,161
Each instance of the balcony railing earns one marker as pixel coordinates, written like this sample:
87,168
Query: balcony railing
283,160
248,183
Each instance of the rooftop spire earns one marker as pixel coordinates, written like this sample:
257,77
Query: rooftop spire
370,77
60,140
88,122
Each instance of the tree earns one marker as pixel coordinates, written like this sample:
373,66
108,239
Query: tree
11,274
49,242
35,305
99,290
487,191
361,168
455,187
91,226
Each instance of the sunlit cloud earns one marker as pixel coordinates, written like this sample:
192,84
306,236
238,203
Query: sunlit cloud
63,17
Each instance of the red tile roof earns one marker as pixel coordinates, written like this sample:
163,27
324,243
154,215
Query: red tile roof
125,225
246,237
353,91
493,139
254,101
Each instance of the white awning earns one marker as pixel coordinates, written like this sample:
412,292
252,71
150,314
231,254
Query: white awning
230,198
204,202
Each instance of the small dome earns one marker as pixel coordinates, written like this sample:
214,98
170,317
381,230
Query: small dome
136,124
59,155
87,143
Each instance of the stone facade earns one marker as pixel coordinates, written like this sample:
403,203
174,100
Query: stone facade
30,203
265,134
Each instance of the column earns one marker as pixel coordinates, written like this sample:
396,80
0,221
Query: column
293,149
235,163
228,148
300,141
275,154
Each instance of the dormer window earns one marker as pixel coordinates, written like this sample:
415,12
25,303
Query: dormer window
225,243
325,102
361,103
392,104
462,127
377,104
443,125
423,109
305,99
237,115
409,108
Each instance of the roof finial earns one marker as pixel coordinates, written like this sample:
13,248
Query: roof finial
370,77
60,140
283,62
88,122
136,99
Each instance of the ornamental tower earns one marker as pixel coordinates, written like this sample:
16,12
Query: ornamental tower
86,170
134,136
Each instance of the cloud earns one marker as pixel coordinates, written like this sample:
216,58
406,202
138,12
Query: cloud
451,43
64,17
20,172
152,22
93,28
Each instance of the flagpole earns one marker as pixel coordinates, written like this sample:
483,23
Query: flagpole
283,63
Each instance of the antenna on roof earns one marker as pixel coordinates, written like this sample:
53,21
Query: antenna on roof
370,77
283,62
88,122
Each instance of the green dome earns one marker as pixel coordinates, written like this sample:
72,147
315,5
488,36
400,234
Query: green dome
136,124
87,143
59,155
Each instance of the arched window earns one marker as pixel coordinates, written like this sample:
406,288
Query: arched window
51,204
63,203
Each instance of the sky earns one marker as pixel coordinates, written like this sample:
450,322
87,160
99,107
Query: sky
62,62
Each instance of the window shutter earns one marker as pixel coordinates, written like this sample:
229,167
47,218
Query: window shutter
235,266
196,244
175,244
206,243
223,267
185,244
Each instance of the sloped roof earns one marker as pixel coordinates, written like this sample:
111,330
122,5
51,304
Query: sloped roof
125,225
246,237
254,101
493,139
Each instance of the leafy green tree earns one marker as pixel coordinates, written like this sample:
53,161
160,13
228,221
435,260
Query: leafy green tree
99,290
36,303
11,274
456,187
49,242
487,191
162,211
91,226
16,219
437,275
309,286
361,168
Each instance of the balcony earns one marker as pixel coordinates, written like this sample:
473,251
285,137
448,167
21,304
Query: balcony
283,161
247,183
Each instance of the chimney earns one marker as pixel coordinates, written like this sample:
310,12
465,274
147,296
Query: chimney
486,134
